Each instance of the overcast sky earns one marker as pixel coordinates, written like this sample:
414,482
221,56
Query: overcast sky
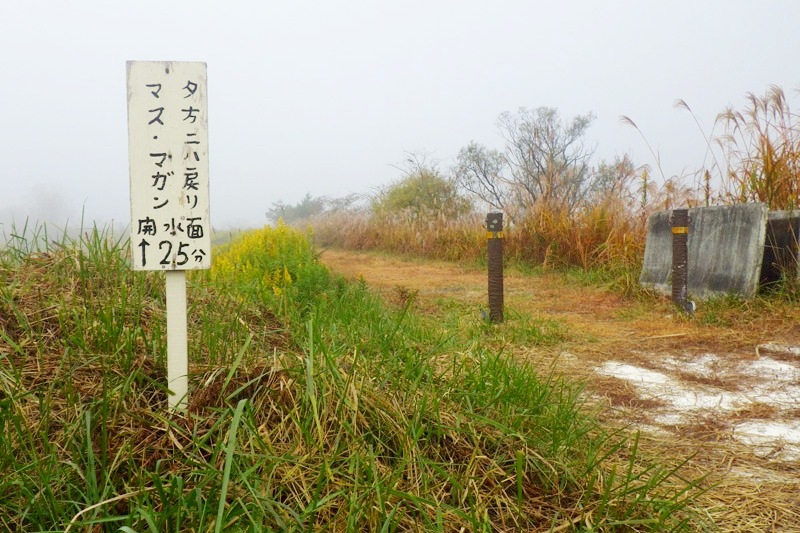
327,97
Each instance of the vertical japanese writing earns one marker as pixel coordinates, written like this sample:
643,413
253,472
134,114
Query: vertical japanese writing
168,137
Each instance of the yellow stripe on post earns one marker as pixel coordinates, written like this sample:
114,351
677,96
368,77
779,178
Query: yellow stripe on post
494,234
680,230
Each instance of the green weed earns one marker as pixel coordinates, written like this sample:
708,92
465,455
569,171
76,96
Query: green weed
313,406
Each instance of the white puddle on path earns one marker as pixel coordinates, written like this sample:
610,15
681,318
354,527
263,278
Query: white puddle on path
748,383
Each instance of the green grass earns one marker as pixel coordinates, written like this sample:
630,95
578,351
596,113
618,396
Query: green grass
469,324
313,406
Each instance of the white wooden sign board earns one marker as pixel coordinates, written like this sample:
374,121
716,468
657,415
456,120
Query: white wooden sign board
168,154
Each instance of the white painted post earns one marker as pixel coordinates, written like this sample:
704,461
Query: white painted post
177,352
168,154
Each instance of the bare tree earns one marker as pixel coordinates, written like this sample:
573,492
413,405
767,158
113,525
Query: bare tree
547,158
479,171
616,179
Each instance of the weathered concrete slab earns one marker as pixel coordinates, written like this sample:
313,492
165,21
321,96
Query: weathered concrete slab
781,247
726,248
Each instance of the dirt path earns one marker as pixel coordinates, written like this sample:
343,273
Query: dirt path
730,395
603,325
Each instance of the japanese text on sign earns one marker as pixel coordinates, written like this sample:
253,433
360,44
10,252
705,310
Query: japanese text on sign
168,150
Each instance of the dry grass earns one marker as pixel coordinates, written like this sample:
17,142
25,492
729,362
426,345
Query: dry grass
602,235
761,145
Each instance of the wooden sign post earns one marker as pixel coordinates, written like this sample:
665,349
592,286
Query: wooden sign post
168,154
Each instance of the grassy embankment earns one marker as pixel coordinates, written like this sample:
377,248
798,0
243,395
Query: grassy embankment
313,406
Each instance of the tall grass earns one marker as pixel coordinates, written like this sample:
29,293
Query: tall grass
761,146
312,406
426,234
602,235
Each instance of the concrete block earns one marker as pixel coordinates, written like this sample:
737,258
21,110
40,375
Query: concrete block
781,247
726,248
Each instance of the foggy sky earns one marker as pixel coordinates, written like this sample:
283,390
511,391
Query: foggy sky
328,97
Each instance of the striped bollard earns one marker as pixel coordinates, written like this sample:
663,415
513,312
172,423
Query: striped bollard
680,260
494,238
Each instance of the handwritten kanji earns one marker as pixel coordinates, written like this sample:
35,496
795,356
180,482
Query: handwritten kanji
190,179
190,114
194,231
173,227
147,226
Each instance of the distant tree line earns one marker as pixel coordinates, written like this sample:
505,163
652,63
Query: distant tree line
308,207
545,161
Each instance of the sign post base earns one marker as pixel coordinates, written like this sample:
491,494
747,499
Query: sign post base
177,353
